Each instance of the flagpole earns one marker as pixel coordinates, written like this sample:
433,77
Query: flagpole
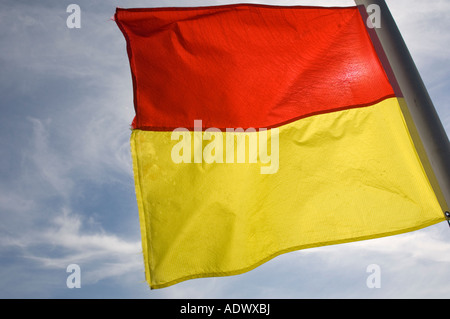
423,113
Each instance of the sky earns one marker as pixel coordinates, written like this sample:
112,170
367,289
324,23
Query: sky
66,185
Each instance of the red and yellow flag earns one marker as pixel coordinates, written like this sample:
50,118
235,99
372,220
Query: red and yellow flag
261,130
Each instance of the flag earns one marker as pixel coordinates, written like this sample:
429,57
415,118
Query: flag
261,130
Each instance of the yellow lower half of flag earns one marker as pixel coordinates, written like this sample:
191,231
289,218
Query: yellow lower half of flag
342,176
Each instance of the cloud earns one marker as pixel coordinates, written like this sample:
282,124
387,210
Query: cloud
74,104
67,238
103,255
45,166
421,23
424,28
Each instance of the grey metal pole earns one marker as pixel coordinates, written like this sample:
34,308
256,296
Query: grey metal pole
429,127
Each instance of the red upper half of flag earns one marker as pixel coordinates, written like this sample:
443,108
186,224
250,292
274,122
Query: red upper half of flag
248,65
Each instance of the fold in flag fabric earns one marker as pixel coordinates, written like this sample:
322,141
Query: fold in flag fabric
261,130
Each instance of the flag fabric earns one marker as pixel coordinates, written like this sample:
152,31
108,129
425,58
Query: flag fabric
261,130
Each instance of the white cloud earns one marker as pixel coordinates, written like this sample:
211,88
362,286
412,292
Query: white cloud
83,140
50,178
424,26
65,240
46,165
